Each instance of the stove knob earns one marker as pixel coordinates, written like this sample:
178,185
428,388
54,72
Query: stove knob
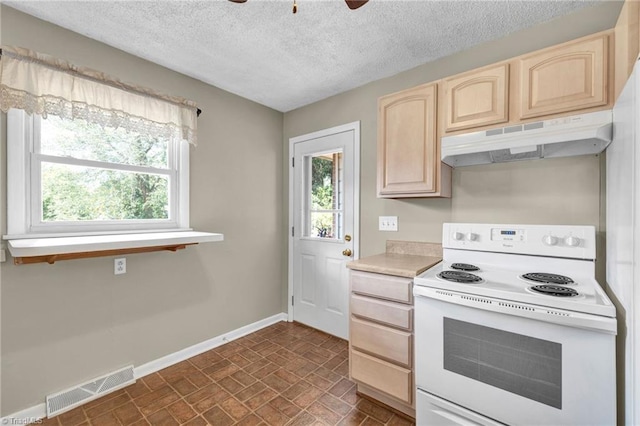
471,236
550,240
457,236
572,241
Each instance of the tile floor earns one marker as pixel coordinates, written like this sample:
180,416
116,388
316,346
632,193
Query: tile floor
285,374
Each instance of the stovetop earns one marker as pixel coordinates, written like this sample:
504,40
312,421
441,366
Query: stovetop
504,278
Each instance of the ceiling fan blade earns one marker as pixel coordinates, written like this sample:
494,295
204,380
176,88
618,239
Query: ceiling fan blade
354,4
239,1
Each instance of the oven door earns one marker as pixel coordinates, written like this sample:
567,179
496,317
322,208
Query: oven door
514,363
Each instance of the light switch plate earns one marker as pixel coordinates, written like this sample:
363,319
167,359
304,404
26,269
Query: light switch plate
388,223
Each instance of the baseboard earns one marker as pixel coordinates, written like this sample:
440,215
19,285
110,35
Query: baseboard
40,411
197,349
26,416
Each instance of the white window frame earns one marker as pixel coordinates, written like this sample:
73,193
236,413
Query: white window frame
24,203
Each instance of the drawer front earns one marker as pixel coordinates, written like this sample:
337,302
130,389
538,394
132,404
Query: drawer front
384,342
390,313
388,378
382,286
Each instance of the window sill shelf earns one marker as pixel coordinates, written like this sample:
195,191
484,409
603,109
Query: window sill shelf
52,249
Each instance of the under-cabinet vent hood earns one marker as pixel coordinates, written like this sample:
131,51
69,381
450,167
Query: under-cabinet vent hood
559,137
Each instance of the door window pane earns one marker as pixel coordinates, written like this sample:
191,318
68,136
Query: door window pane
324,215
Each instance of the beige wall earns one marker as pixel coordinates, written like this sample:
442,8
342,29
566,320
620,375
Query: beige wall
72,321
555,191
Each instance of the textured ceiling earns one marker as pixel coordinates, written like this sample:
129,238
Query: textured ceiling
261,51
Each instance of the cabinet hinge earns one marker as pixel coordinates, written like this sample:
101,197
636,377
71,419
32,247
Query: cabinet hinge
293,161
293,231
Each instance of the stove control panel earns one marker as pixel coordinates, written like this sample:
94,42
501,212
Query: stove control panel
510,234
577,242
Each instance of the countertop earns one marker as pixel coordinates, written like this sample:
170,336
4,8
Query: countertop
402,259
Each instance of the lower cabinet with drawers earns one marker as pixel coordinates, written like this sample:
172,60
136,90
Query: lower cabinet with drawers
381,338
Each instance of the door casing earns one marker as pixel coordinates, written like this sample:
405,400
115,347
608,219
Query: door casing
355,127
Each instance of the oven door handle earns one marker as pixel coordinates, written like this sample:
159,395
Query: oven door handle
540,313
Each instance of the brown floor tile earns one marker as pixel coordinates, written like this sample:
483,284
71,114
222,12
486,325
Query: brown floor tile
272,416
354,418
286,407
234,408
261,398
324,414
217,417
137,389
250,391
159,404
250,420
276,383
153,381
335,404
108,405
128,413
308,397
231,385
106,419
285,374
397,420
265,371
73,417
183,386
374,410
341,387
318,381
203,393
303,419
181,411
162,418
369,421
198,421
211,401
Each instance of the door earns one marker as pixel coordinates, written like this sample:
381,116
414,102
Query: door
324,189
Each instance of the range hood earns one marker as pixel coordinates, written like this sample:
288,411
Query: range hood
559,137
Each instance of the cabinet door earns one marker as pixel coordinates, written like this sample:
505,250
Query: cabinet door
407,150
566,78
478,98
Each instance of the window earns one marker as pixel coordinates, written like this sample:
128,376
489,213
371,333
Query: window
74,176
324,217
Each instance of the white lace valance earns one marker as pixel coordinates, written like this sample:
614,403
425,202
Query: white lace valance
41,84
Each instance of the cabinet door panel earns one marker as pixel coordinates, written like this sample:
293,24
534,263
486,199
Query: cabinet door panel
407,150
477,98
570,77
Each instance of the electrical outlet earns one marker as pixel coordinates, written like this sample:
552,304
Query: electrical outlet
120,266
388,223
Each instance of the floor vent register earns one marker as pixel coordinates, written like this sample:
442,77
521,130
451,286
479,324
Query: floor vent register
61,402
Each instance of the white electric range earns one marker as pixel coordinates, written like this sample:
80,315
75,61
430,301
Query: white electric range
513,328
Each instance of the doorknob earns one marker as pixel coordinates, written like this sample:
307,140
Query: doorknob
347,238
346,252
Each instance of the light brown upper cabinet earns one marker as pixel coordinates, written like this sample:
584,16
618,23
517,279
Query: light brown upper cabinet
408,153
568,77
476,98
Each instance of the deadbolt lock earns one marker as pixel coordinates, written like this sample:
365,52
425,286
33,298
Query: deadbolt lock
347,238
